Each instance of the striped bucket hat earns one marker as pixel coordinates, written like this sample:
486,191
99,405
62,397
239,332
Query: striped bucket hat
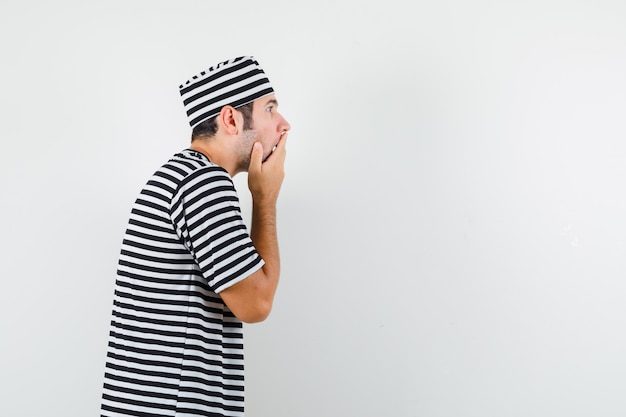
235,82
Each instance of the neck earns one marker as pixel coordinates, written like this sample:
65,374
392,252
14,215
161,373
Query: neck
216,153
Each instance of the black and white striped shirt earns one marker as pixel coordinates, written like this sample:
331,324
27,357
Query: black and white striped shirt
175,349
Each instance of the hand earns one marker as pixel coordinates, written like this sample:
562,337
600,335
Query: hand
265,178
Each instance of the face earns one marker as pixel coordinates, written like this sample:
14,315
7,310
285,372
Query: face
267,128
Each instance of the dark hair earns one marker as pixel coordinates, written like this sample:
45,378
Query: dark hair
208,128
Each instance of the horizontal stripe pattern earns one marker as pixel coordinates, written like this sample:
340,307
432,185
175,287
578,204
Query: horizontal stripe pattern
234,82
175,349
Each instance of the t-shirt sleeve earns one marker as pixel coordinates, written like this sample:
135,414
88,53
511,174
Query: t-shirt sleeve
207,217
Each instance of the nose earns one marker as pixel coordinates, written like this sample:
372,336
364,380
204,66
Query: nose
285,126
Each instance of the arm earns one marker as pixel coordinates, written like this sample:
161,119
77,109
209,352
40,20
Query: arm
251,299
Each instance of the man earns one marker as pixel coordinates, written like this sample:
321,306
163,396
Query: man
189,274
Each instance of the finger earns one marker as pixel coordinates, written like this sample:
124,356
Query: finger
280,148
283,140
282,143
256,158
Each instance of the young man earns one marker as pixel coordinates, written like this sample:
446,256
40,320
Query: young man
189,273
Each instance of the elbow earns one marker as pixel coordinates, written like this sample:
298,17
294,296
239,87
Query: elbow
257,314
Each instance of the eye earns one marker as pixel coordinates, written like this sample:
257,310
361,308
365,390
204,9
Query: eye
269,109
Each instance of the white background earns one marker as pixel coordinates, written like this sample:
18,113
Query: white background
452,223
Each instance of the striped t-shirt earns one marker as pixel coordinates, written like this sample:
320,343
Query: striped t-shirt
175,349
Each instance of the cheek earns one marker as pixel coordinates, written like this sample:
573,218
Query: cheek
268,134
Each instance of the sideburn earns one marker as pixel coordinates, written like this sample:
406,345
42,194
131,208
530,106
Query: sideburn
246,111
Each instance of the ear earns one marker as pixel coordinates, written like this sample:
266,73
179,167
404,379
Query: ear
228,120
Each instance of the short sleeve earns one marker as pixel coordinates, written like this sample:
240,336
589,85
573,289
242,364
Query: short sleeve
207,217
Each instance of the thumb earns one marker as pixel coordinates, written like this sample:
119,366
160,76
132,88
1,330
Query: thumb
256,158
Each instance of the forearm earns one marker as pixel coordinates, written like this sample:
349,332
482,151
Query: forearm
265,239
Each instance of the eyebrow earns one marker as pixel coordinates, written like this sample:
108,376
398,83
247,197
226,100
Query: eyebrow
272,101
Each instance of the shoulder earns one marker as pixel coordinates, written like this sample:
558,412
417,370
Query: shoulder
201,183
190,169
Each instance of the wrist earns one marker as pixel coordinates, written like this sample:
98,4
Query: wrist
263,199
